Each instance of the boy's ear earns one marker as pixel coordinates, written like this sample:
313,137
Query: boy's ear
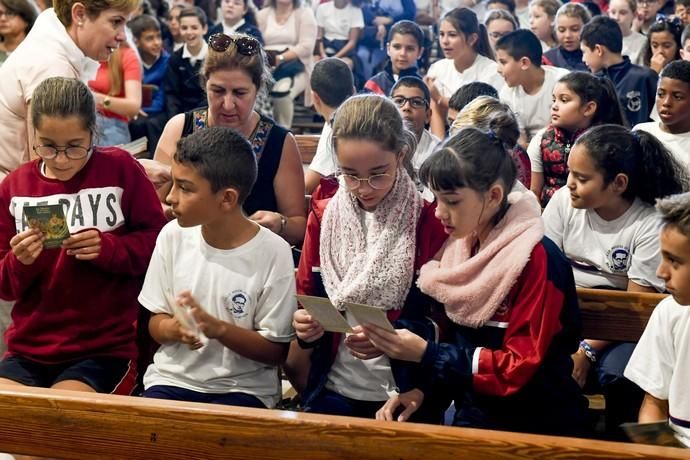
525,62
683,55
599,50
421,51
315,97
230,198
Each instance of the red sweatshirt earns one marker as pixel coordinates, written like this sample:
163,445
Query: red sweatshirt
67,309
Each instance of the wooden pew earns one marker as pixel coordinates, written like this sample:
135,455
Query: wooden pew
307,146
615,315
63,424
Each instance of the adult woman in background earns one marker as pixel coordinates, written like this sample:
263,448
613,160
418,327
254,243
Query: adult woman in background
16,19
289,32
233,72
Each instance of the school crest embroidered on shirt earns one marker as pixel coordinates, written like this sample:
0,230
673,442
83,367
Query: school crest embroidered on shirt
634,101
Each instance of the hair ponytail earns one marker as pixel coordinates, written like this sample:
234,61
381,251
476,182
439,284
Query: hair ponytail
590,88
483,46
465,22
653,172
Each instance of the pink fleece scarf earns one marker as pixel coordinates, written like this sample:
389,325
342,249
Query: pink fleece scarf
471,287
372,265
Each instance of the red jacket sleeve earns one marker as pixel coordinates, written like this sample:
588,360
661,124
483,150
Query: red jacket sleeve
129,253
309,257
534,321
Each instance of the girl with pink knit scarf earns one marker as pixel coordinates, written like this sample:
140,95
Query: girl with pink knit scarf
365,240
512,318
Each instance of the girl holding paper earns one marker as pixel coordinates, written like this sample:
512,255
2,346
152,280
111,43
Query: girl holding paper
512,319
365,239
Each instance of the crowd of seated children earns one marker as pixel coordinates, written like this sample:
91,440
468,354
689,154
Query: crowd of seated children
570,19
183,90
511,314
673,106
331,83
232,278
233,73
663,43
580,101
542,17
605,223
238,18
529,85
490,114
146,32
339,25
658,364
468,57
366,238
57,338
404,47
646,14
634,43
636,85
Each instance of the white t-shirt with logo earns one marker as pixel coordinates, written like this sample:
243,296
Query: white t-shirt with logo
660,364
337,22
448,79
252,287
533,110
606,253
678,144
634,46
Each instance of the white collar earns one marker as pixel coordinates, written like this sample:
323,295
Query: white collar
186,54
231,30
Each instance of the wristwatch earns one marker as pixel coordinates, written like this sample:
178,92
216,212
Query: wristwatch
106,101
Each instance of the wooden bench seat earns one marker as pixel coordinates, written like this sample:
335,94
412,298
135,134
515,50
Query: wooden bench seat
63,424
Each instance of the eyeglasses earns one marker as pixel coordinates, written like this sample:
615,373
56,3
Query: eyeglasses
246,46
377,181
416,102
8,14
73,152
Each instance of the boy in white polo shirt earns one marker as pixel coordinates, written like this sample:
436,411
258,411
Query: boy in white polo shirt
221,289
529,85
660,364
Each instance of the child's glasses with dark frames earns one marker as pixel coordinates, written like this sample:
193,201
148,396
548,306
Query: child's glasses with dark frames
246,46
73,152
416,102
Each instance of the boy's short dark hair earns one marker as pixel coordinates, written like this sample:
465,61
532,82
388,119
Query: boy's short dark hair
603,31
675,211
677,70
469,92
195,12
143,23
521,43
686,35
222,156
685,3
412,82
332,80
406,27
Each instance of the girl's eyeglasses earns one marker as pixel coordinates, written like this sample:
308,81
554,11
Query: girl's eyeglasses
246,46
377,181
73,152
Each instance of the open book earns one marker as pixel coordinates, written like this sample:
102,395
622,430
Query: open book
332,320
137,147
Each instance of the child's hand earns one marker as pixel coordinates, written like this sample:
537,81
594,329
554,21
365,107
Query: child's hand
27,245
84,245
306,328
270,220
581,365
211,327
401,344
433,89
410,401
658,62
360,346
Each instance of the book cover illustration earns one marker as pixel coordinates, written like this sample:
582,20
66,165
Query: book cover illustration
51,220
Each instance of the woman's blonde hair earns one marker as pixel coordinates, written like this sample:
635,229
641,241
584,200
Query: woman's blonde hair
574,10
63,8
550,7
255,66
376,119
489,114
115,70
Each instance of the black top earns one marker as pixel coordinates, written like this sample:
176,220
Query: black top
267,143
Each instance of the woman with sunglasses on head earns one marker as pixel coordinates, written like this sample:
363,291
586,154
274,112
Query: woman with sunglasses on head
73,324
233,73
365,240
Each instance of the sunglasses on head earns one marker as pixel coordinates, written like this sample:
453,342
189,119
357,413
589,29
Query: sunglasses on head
246,46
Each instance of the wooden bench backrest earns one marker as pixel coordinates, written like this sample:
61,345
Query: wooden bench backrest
615,315
307,146
63,424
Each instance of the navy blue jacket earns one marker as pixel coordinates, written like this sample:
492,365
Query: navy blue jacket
155,75
383,82
636,88
183,91
560,57
245,28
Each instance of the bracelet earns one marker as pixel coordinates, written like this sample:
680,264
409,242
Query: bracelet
589,352
283,224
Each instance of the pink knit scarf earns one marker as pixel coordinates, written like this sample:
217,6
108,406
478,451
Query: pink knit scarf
473,287
375,269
